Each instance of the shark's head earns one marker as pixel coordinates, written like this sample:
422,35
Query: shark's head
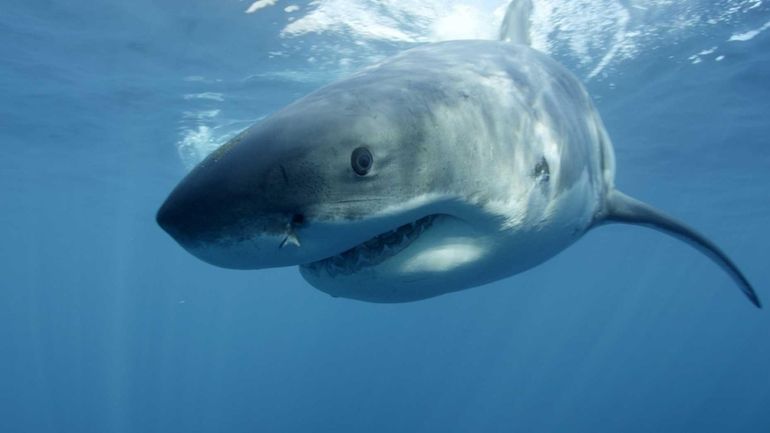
423,175
357,188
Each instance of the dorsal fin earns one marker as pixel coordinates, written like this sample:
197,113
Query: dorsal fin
517,22
624,209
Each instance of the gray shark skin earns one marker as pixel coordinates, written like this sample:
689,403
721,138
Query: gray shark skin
446,167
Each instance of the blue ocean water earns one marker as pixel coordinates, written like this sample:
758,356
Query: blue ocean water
106,325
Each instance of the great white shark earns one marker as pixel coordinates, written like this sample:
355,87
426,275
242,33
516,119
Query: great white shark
448,166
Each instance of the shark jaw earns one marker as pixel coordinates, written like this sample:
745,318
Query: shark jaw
373,251
411,262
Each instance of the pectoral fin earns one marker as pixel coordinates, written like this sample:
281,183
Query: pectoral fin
621,208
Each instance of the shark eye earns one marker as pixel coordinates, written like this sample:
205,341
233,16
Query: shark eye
361,160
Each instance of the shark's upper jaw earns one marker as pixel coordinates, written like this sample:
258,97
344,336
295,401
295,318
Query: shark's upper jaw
374,250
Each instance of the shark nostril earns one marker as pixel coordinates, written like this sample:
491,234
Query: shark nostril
297,219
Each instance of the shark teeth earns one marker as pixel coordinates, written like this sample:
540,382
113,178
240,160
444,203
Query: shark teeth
375,250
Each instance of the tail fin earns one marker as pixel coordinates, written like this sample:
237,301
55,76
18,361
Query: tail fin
624,209
517,21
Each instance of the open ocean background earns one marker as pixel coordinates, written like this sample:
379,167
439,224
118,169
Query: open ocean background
106,325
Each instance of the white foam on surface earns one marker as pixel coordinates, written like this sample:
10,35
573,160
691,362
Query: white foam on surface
260,4
212,96
333,38
408,21
698,58
595,36
751,34
201,115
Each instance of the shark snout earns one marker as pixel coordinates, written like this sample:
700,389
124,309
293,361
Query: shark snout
174,217
191,219
243,216
230,234
229,196
273,196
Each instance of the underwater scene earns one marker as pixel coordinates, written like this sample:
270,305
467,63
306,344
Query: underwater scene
385,216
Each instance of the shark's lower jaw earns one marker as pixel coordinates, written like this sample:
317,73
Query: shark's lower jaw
374,251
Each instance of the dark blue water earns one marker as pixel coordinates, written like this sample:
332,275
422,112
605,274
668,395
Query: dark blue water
106,325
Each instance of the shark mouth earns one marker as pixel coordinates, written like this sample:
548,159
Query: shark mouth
373,251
